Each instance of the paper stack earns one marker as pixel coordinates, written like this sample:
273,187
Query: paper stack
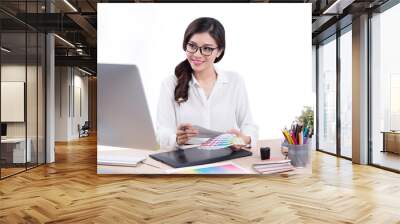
273,166
119,158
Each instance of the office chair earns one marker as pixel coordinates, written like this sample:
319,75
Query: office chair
84,130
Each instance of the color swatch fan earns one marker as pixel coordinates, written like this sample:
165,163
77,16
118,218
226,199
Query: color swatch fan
221,142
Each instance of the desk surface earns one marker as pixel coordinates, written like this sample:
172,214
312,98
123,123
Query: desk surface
151,166
13,140
391,132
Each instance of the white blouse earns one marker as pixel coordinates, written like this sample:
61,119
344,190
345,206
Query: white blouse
227,107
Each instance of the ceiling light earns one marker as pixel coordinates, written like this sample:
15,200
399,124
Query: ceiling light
5,50
84,71
65,41
338,6
70,5
79,51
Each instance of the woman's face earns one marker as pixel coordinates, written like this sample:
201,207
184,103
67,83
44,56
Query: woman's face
198,61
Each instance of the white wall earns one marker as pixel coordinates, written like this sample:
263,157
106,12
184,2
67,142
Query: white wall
67,80
80,83
61,103
268,44
12,73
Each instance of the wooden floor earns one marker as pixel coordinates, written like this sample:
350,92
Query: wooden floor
70,191
387,159
5,172
10,171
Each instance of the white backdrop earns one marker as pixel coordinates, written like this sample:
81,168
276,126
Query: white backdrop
268,44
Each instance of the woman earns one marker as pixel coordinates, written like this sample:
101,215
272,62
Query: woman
199,94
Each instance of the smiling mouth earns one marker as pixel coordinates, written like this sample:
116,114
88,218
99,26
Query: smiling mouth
197,62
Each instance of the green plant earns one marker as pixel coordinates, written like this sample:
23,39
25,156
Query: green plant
307,118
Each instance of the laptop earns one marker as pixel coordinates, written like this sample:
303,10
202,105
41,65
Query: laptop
123,117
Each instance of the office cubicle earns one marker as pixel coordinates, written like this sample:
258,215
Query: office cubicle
22,78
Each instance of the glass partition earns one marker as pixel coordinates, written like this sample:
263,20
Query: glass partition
13,94
41,87
22,77
31,100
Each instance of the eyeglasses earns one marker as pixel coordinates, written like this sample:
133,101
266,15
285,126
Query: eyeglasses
206,51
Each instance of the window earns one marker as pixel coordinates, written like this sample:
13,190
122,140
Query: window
327,95
346,93
385,88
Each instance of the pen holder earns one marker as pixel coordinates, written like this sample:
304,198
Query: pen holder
299,155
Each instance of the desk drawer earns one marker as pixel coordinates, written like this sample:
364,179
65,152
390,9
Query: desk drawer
15,152
392,142
6,154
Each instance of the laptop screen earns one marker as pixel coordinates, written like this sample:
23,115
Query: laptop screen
3,129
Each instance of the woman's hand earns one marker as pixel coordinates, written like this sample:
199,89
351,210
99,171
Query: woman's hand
246,139
184,132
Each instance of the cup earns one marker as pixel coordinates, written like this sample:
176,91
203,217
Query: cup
265,153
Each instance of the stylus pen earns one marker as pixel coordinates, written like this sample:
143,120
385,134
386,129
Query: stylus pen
151,165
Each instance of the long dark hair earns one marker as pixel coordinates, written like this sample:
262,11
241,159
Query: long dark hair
183,71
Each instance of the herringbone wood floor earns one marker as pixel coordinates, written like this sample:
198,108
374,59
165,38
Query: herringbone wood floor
70,191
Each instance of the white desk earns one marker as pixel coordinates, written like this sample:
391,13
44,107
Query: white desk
18,151
152,166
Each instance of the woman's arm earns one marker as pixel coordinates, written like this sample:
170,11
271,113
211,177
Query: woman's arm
244,117
166,116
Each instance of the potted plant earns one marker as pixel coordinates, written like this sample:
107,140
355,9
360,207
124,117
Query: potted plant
307,119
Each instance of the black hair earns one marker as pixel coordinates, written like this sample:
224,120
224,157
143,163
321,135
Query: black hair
183,71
